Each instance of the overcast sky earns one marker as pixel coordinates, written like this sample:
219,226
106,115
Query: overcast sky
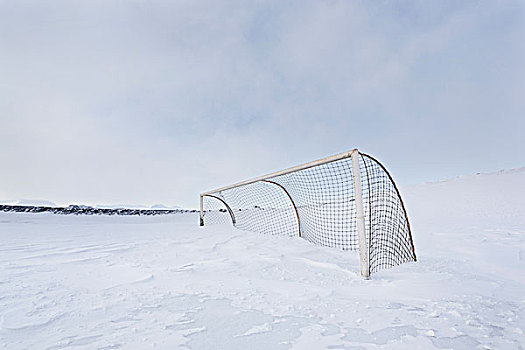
146,102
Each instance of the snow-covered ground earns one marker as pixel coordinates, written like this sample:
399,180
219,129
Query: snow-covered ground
108,282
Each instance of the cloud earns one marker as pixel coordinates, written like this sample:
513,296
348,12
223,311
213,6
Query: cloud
153,101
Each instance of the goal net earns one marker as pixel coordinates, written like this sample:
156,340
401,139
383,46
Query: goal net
347,201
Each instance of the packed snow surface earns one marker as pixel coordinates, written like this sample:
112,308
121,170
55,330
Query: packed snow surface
113,282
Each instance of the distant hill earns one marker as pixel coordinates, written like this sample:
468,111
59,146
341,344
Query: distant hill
490,200
87,210
35,202
162,206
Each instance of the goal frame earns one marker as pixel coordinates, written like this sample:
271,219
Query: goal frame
360,215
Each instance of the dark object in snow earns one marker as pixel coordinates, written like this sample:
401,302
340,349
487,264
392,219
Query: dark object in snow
86,210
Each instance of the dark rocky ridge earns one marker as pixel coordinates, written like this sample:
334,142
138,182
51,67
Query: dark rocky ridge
87,210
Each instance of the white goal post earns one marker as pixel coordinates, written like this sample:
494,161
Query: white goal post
348,201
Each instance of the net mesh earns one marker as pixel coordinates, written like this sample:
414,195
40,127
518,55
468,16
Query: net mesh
318,204
262,207
386,223
215,211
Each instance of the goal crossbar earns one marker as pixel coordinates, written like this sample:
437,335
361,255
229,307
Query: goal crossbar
285,171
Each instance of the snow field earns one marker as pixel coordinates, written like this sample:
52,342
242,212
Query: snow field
109,282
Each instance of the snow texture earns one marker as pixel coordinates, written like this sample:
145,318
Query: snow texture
127,282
